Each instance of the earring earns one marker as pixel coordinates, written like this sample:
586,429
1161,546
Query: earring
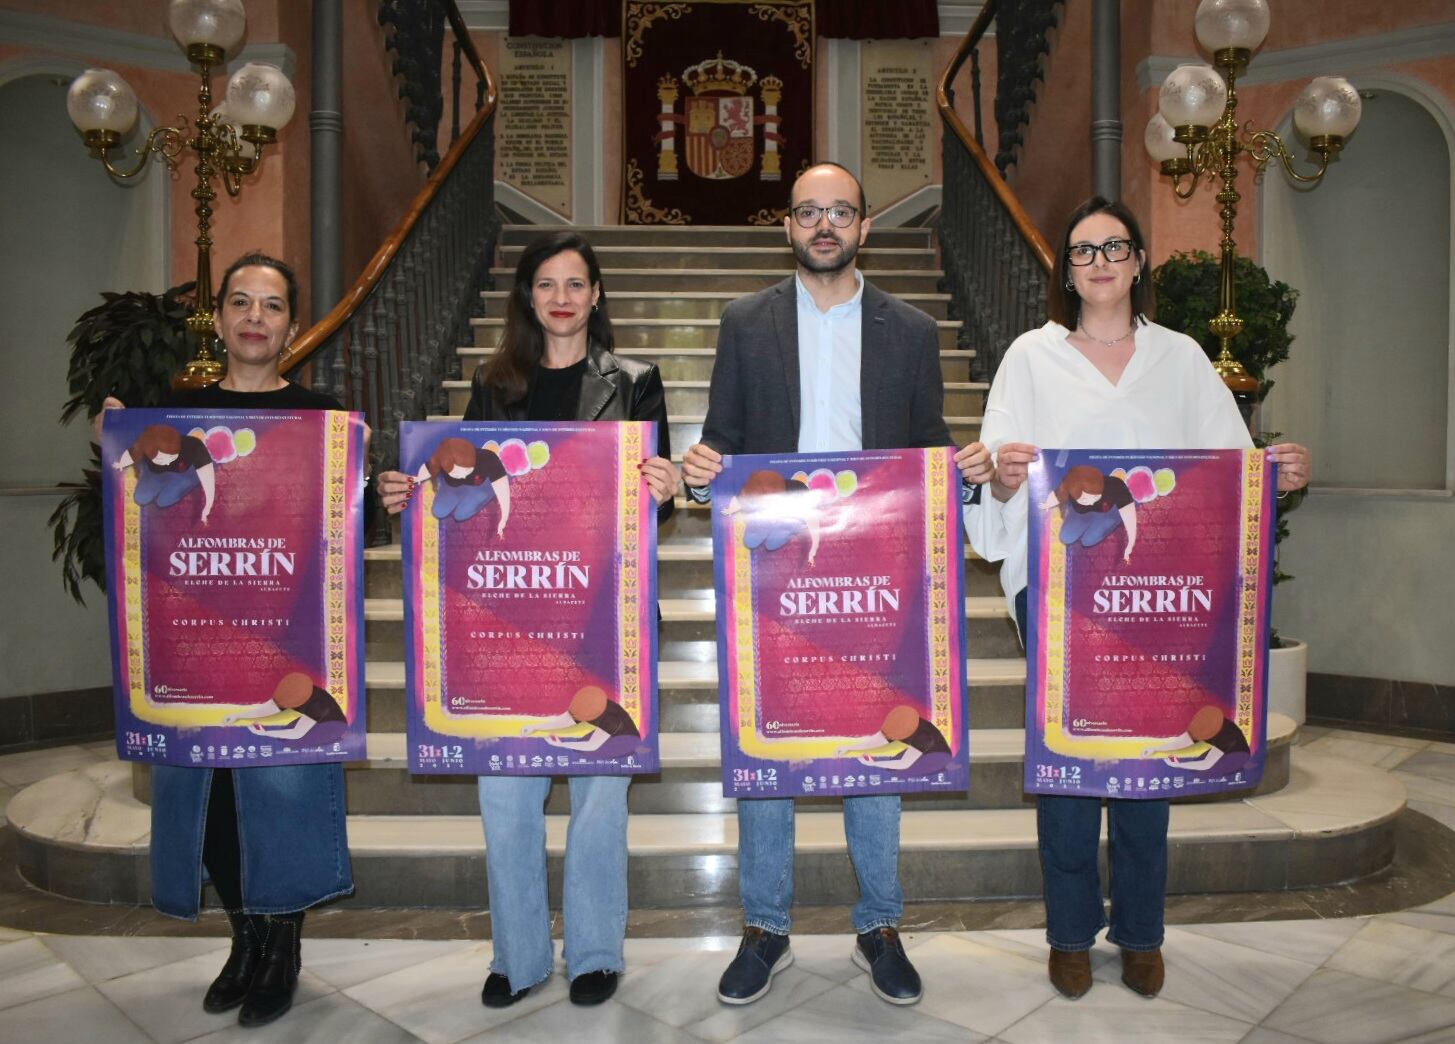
1136,278
1070,286
593,306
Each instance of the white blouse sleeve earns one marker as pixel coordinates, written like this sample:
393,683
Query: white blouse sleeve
1221,424
994,528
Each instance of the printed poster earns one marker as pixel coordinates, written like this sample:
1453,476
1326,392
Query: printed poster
841,623
530,609
234,556
1150,581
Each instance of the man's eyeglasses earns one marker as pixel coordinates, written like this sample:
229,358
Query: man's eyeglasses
1113,250
841,215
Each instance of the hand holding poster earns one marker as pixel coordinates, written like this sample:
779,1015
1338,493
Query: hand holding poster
1150,576
841,623
530,557
234,552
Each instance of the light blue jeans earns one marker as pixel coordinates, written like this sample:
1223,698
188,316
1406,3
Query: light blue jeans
513,811
765,861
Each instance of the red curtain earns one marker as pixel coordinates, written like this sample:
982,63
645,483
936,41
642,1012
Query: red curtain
565,18
848,19
876,20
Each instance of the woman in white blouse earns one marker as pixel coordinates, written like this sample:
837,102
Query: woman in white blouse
1101,375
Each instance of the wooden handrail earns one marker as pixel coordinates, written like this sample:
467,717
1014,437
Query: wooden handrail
1003,192
308,342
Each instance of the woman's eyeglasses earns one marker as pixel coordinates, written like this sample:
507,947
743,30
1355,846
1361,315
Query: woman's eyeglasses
841,215
1113,250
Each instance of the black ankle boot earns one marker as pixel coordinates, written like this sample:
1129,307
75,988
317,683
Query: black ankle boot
231,985
271,994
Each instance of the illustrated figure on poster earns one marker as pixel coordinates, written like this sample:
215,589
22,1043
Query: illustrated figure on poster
1095,506
775,510
467,477
1227,747
925,748
170,465
320,718
613,733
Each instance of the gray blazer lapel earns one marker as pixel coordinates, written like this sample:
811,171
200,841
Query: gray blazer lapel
785,325
873,346
597,387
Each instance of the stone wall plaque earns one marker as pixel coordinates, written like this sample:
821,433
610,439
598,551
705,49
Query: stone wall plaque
533,143
897,110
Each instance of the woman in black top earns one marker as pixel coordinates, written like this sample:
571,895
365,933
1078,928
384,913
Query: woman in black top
246,823
555,363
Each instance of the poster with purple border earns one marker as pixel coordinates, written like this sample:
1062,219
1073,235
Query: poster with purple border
234,558
1149,596
530,598
841,623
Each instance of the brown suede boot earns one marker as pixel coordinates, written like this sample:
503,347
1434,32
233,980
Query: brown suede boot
1143,972
1070,972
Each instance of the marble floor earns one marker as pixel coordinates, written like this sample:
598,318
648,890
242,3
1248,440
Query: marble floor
1381,977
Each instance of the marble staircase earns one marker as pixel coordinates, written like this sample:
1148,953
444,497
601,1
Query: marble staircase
417,841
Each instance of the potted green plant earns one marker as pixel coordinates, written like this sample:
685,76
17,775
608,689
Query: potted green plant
129,346
1189,287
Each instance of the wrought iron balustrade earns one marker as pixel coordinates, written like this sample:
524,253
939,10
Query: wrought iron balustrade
390,342
996,261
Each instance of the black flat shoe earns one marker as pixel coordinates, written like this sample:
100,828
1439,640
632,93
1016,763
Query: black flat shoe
496,993
593,987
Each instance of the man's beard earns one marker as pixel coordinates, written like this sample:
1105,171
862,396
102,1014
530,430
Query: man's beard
825,265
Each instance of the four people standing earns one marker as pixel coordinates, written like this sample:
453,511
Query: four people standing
822,362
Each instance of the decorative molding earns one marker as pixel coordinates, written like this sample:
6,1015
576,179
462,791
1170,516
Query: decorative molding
97,44
486,16
956,19
844,139
513,199
912,205
494,16
1361,492
1335,57
588,142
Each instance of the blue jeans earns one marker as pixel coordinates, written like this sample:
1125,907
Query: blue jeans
765,861
1068,832
513,811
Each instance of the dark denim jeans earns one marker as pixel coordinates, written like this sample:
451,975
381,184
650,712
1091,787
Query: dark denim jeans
1069,831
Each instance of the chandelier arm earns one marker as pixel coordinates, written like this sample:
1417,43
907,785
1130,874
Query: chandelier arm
1266,146
166,142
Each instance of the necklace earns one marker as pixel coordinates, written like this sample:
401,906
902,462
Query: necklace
1114,341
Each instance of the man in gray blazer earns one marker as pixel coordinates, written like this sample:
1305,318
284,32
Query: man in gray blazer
823,362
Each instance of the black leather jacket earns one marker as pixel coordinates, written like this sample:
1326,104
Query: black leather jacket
612,389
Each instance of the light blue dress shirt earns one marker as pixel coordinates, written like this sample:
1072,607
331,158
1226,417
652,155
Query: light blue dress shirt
830,409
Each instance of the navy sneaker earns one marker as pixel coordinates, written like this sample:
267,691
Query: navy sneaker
894,979
761,955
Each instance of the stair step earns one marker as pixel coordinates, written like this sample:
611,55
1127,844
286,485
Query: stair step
738,280
778,256
696,363
668,333
84,835
704,304
689,675
675,236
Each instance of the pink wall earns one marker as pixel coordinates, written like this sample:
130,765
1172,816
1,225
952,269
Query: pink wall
1171,224
1052,173
272,212
380,174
